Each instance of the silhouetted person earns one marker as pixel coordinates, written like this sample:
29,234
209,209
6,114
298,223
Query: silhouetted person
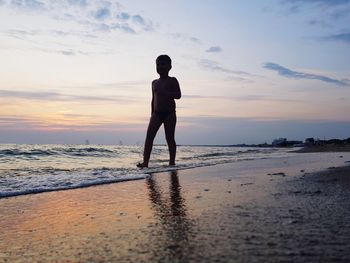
164,92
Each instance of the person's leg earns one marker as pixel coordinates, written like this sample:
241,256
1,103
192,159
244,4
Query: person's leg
152,130
169,128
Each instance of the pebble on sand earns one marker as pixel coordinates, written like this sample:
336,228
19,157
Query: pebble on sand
280,173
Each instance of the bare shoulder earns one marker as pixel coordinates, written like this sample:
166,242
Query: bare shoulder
174,81
154,82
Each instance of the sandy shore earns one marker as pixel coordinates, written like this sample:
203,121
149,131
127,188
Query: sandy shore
272,210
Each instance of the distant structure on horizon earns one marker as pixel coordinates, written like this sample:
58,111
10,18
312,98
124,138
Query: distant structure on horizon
87,142
279,141
319,142
282,142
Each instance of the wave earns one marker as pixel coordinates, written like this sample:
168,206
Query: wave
229,153
29,169
48,180
88,151
53,186
17,152
217,154
60,179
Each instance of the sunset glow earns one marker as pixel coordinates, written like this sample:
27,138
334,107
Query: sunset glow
85,68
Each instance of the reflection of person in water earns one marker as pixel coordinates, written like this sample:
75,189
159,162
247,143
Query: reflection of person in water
172,215
164,92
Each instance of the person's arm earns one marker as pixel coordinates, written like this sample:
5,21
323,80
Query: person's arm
152,107
175,92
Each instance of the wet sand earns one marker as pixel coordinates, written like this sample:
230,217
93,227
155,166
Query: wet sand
272,210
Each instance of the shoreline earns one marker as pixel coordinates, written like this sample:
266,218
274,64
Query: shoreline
61,168
291,209
324,148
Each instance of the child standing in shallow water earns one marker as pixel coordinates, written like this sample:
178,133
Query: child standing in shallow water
164,92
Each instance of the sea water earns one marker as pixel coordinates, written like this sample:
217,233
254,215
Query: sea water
26,169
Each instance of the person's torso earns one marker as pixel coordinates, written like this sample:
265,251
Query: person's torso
161,100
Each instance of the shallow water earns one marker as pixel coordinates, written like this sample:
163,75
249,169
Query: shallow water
40,168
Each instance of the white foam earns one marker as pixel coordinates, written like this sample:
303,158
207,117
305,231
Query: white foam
21,186
46,173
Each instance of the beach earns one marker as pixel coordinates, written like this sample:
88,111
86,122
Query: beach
289,209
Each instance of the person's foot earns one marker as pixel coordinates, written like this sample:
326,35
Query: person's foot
142,165
171,164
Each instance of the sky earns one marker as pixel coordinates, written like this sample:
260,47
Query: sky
249,71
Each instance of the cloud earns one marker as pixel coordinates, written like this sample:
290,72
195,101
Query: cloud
138,19
66,52
147,25
82,3
282,71
102,13
13,120
73,122
326,12
180,36
51,95
124,27
94,15
123,16
214,49
249,97
342,37
31,129
234,74
59,35
323,3
194,39
28,4
21,34
212,65
319,22
331,9
198,130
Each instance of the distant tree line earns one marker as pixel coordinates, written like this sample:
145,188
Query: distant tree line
312,141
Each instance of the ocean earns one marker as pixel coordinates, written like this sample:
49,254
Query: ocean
26,169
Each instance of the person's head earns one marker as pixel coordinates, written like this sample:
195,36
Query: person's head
163,63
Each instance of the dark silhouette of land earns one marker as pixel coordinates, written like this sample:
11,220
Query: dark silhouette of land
332,145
